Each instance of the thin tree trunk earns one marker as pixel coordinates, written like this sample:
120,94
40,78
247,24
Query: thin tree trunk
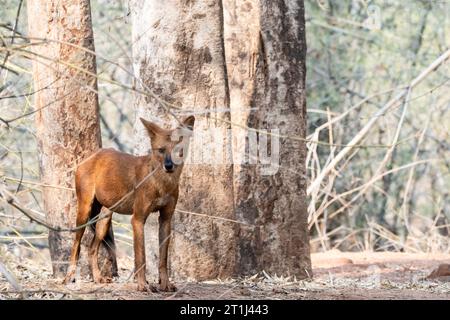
265,50
67,123
178,54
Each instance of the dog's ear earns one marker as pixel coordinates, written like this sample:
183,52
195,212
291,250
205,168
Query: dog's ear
189,122
152,128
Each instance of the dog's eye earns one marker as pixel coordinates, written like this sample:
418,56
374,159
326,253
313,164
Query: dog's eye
162,150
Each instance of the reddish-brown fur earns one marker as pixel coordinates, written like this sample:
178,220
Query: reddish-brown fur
107,179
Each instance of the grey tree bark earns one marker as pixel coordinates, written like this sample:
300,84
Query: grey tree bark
179,50
67,122
179,55
265,53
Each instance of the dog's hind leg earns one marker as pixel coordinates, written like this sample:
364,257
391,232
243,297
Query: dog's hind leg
86,206
101,230
109,244
84,212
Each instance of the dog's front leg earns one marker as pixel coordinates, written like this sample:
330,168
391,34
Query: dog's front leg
138,222
165,233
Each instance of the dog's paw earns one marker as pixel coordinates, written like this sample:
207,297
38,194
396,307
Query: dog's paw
102,279
146,287
167,287
70,278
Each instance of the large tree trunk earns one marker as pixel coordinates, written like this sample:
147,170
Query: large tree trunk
178,54
67,122
265,51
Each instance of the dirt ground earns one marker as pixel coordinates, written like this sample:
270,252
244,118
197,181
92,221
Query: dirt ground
337,275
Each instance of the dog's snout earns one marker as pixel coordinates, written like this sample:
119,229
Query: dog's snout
168,163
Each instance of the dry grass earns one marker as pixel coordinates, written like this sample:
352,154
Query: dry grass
337,276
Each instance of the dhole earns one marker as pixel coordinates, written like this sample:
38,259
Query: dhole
132,185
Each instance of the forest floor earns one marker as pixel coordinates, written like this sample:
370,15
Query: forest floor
337,275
